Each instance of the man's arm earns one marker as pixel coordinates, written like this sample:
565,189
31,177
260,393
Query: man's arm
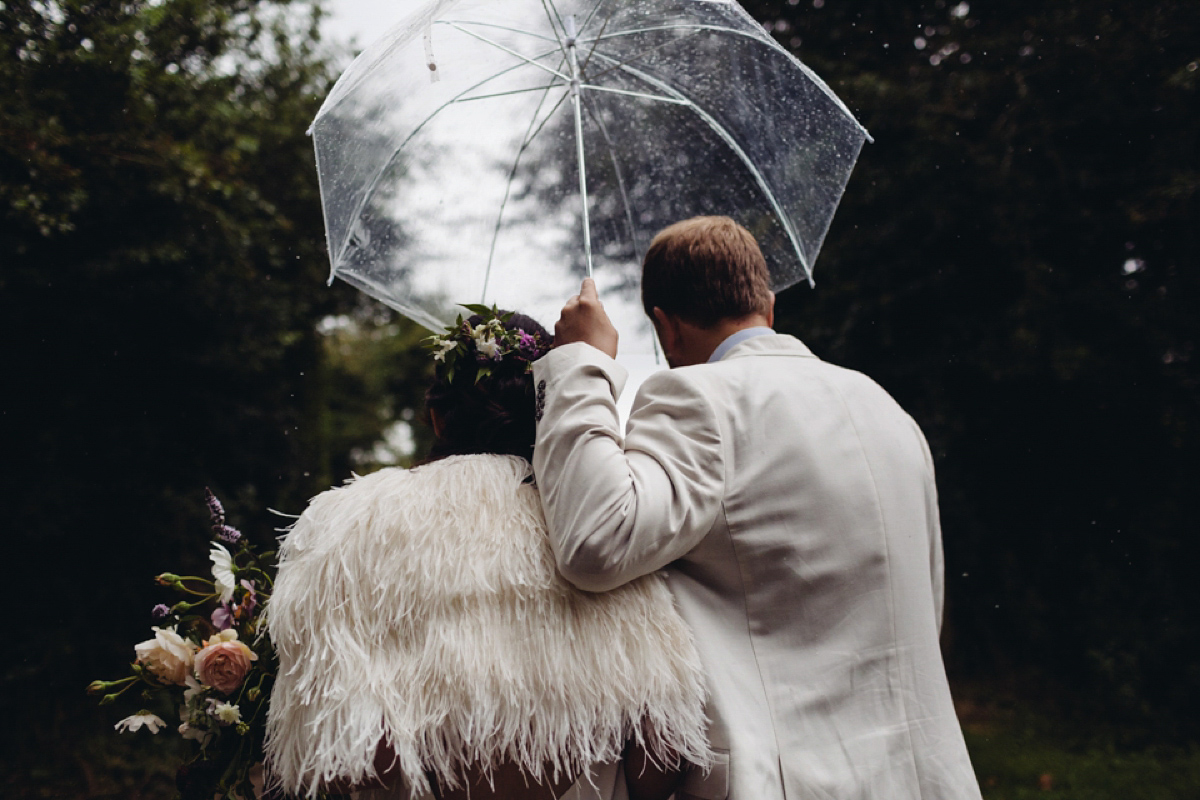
619,511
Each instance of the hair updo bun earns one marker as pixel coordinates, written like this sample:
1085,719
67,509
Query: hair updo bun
495,414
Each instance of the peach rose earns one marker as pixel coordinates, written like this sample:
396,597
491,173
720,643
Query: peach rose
224,662
168,655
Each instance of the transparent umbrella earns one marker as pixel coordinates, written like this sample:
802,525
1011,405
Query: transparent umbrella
496,151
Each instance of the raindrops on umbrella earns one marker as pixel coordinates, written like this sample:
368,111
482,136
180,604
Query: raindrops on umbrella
496,151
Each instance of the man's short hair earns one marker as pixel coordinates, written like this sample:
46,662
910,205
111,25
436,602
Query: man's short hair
705,270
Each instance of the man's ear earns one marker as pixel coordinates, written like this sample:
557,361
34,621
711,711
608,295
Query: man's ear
667,326
435,419
771,312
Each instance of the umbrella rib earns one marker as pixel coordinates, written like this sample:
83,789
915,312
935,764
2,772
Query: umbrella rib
370,190
506,94
629,59
592,15
672,100
510,51
719,129
561,27
588,59
530,135
498,27
685,27
552,15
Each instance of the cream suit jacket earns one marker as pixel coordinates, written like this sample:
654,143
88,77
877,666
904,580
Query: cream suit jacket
792,505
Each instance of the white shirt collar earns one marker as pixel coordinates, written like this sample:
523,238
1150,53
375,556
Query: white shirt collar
736,339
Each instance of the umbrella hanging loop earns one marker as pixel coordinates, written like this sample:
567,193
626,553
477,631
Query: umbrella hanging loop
430,61
573,61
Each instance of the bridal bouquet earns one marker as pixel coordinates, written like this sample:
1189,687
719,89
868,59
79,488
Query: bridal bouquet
209,657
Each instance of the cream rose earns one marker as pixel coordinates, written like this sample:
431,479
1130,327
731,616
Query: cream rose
224,662
168,655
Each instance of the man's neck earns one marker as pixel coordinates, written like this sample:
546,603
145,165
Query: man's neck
734,339
702,342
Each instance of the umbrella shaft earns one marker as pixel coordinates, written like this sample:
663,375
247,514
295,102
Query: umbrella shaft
573,59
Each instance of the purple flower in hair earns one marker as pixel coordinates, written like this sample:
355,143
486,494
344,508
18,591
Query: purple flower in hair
160,612
527,345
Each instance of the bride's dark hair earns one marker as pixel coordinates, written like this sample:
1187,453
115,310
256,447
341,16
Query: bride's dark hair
495,414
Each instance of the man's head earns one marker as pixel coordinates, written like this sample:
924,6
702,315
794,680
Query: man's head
706,270
703,279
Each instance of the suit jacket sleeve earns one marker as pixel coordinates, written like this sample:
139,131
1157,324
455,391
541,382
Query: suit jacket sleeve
619,509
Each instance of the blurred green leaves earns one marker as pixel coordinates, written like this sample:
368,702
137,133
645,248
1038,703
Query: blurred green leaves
161,280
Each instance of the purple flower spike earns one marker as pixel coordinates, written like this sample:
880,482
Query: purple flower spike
160,612
216,511
228,534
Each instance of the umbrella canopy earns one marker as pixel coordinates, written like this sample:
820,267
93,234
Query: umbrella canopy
496,151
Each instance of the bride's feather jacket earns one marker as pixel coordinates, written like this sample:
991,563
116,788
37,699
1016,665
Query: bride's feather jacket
422,608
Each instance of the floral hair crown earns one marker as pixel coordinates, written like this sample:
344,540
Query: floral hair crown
484,346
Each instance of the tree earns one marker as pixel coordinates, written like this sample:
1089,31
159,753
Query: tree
161,284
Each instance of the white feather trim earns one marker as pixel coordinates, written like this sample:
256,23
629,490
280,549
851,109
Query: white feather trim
423,607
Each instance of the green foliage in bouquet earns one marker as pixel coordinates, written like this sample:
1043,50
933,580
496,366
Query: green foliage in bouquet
212,659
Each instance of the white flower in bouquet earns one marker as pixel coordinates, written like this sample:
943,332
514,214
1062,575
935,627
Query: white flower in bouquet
222,571
194,689
168,655
181,666
136,721
227,713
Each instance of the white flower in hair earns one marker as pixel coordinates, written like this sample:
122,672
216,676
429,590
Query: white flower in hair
444,346
488,348
487,329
